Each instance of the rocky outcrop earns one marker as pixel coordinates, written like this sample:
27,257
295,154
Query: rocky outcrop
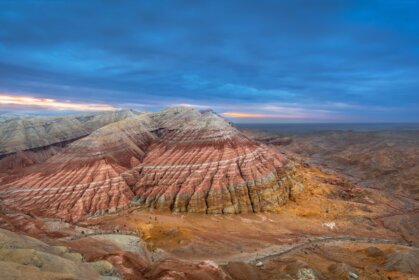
202,164
181,160
403,261
23,133
24,257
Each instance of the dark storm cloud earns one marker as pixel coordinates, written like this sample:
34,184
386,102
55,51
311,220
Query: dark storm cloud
323,60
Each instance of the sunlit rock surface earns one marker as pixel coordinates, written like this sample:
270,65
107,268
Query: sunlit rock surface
24,257
22,133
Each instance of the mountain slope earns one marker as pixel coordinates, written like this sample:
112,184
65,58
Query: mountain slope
179,159
22,133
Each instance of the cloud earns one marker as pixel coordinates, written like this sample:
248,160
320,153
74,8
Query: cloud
50,104
332,58
191,106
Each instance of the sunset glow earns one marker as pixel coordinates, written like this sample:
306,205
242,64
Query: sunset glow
26,101
190,105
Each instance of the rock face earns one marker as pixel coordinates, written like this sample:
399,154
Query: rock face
403,261
24,257
22,133
181,160
25,141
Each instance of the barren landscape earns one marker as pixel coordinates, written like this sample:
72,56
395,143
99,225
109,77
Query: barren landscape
209,140
183,194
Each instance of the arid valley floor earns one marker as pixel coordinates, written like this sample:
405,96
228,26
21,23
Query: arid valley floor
182,194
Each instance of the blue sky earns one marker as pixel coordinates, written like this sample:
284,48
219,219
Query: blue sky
253,61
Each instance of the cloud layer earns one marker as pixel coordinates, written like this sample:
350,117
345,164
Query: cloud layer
314,60
46,103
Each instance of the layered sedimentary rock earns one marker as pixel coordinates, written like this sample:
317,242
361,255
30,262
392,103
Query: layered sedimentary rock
25,141
202,164
23,133
182,160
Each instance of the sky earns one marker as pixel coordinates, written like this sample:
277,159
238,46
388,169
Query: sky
250,61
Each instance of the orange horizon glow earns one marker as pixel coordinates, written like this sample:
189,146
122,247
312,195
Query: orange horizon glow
187,105
48,103
256,115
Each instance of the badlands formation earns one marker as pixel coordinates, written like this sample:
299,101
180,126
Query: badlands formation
181,160
183,194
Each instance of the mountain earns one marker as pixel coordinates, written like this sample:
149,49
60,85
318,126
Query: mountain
22,133
179,159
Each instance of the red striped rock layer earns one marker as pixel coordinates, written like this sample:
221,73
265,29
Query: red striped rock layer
70,193
179,159
84,178
234,176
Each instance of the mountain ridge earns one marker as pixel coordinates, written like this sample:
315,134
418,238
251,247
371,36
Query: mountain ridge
179,159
